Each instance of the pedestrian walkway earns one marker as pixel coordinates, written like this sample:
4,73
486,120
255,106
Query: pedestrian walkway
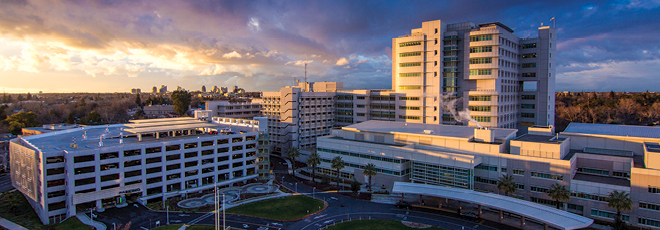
10,225
85,220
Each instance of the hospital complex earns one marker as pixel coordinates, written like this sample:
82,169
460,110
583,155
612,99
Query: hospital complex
469,104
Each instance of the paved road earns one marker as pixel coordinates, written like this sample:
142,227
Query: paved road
339,208
5,182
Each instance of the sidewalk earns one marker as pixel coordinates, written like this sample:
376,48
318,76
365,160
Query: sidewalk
85,220
10,225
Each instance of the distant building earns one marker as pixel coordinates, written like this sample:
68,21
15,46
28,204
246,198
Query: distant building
223,89
163,89
46,129
234,89
160,111
203,89
154,90
136,91
245,110
179,88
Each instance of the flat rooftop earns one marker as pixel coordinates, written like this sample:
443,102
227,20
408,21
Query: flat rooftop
602,179
417,128
541,139
62,140
652,147
614,130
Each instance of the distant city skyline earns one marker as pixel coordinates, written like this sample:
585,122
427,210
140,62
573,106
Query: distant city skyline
262,46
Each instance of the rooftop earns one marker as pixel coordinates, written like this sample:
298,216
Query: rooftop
602,179
614,130
652,147
424,129
89,137
541,139
498,24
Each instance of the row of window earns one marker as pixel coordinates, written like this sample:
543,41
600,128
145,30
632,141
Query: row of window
648,222
481,49
527,115
486,167
410,87
378,170
409,107
410,74
649,206
527,106
539,189
529,46
528,74
365,156
481,72
589,196
529,55
607,214
410,64
404,44
411,54
409,117
409,98
528,97
547,176
594,171
478,38
529,65
479,98
480,108
654,189
485,60
481,118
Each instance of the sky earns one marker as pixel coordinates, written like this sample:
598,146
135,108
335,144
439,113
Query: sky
116,45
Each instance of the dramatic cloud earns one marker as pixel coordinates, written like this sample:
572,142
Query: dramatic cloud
105,46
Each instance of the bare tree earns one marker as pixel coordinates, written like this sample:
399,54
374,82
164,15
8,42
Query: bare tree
626,109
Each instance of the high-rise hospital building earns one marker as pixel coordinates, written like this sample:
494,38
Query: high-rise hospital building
440,71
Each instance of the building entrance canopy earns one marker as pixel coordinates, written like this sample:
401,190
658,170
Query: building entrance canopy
548,215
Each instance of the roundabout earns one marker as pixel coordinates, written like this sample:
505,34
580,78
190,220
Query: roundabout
232,194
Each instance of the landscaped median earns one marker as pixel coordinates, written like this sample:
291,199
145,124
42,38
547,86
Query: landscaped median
381,225
287,208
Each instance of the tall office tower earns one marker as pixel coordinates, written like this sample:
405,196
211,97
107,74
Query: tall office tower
503,80
154,90
163,89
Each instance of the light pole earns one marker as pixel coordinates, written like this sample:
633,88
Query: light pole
223,212
114,226
167,211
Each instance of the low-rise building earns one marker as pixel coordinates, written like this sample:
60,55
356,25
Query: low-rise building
243,110
158,111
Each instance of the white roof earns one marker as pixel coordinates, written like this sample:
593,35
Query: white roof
419,128
162,120
551,216
165,128
614,130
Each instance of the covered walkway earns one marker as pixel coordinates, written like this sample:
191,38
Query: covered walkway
548,216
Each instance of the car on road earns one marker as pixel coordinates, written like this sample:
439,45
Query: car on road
333,198
470,215
402,204
246,226
328,221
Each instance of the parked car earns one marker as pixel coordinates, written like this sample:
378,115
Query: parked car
470,215
402,204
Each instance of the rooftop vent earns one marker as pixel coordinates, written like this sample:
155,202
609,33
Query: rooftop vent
428,131
484,135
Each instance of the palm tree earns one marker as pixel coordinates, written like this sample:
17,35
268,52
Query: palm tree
559,193
338,164
370,171
314,160
621,202
507,185
293,153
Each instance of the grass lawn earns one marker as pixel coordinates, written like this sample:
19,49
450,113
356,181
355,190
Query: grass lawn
72,224
375,224
287,208
15,208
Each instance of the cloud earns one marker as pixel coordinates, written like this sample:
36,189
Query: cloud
233,54
341,62
299,62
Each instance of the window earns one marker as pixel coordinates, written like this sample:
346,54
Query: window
154,170
409,107
527,115
153,160
56,194
409,117
594,171
575,207
654,189
173,157
481,118
519,172
479,38
207,152
190,155
83,170
621,174
236,139
481,60
361,114
608,215
207,170
410,44
480,108
486,167
56,206
52,160
237,164
223,167
53,183
85,158
173,167
529,75
110,177
529,97
409,98
223,150
105,156
223,141
529,55
55,171
154,180
481,49
648,221
411,64
480,72
236,148
207,143
527,106
539,189
85,181
132,173
410,87
411,54
190,164
132,163
191,173
152,150
649,206
221,159
409,75
172,147
480,98
529,65
190,145
173,176
529,46
130,153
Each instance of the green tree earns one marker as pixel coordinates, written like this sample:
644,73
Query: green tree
559,193
21,120
292,154
93,118
138,101
181,99
3,113
70,119
506,184
370,171
355,186
621,202
338,164
20,98
314,160
29,96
